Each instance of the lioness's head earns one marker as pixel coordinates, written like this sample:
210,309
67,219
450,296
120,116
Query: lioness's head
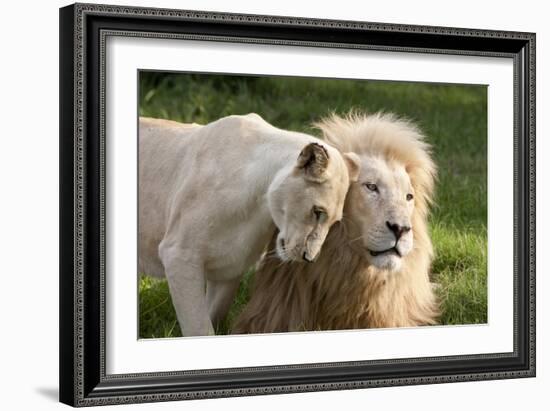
387,206
307,199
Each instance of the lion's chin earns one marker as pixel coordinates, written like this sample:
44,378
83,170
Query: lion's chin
390,262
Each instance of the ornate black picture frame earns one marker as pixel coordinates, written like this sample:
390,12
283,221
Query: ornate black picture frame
83,30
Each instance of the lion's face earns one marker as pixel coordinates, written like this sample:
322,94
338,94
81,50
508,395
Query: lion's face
380,209
306,202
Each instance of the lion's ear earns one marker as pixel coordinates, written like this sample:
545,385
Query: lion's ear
313,162
354,165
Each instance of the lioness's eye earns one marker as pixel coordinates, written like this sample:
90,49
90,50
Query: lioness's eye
319,213
409,197
371,186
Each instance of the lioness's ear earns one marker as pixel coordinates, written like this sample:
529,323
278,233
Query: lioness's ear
354,165
313,161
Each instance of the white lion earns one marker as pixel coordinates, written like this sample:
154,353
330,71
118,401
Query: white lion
374,271
211,197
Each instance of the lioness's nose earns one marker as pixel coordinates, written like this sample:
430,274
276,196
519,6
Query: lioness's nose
307,257
397,229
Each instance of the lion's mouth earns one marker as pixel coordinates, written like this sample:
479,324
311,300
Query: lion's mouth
392,250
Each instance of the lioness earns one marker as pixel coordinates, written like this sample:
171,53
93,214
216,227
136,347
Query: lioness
210,198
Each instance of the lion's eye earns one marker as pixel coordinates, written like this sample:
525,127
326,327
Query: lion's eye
409,197
371,186
319,212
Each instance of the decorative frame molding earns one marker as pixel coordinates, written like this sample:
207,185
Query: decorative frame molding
83,32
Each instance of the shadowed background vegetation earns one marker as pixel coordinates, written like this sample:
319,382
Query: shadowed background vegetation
453,117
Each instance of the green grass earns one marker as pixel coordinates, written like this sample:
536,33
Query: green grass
454,118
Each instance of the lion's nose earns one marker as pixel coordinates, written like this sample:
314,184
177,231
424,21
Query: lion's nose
397,229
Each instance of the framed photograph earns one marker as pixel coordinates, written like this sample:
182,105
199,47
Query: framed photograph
261,204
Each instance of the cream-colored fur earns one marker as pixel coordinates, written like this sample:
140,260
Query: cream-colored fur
210,198
360,280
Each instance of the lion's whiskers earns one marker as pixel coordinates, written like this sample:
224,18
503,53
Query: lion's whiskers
355,239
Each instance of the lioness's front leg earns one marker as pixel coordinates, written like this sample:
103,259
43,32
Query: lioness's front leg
186,281
220,296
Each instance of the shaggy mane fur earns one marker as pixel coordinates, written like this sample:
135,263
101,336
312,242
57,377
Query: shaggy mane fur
341,290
